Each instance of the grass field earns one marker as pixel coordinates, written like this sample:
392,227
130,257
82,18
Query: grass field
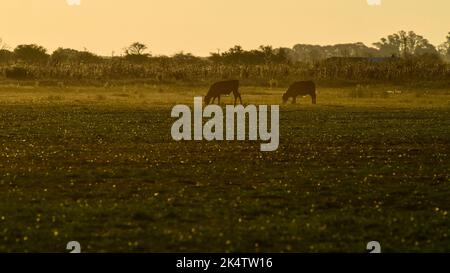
99,166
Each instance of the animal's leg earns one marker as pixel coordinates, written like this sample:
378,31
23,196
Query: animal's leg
214,99
219,100
313,99
294,100
236,96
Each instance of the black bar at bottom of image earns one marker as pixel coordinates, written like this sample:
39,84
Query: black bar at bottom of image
188,262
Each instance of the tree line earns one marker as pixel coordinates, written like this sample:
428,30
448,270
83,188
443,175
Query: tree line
400,56
401,44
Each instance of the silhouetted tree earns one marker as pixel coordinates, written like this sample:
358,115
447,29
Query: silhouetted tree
281,55
267,53
405,44
314,53
237,55
215,57
31,53
72,55
136,52
234,54
182,57
444,48
6,55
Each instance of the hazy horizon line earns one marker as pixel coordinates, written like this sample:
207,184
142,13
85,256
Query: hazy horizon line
149,51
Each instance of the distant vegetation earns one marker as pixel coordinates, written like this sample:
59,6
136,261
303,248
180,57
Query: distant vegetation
400,57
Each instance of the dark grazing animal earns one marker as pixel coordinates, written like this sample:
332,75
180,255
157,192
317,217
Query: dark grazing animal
223,88
303,88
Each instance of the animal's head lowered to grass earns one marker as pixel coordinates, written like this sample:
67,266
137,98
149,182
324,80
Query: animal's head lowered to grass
285,98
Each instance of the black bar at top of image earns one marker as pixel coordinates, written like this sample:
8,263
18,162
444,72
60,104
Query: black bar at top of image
227,262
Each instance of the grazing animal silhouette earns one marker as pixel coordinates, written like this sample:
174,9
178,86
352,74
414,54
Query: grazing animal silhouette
302,88
223,88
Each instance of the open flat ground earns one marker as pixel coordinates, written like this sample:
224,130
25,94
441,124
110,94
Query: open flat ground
99,166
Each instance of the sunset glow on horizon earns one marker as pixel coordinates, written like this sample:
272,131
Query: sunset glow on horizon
204,26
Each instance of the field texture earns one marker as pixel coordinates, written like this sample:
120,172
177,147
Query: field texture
99,166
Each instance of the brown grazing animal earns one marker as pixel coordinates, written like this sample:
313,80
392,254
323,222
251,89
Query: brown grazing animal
223,88
303,88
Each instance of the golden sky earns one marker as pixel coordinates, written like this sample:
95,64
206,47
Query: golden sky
203,26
